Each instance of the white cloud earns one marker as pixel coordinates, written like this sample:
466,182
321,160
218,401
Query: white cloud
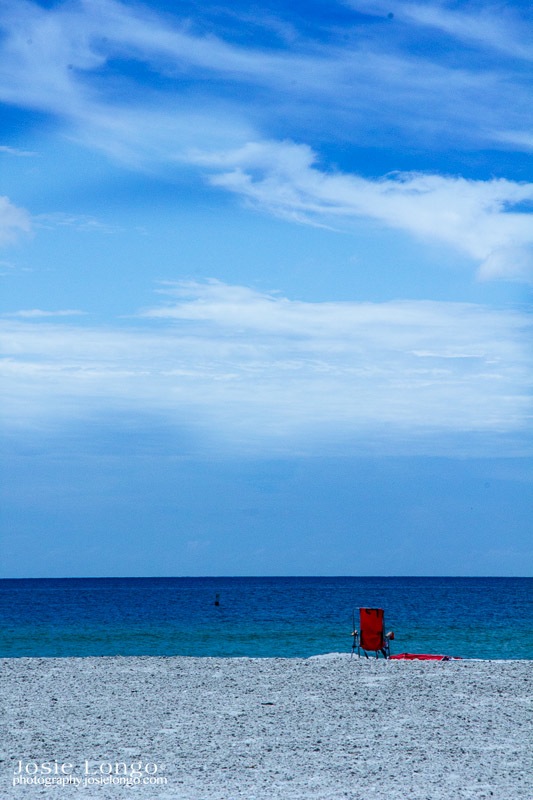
490,221
368,79
51,59
362,80
36,313
80,222
519,140
513,263
261,371
13,221
15,151
496,27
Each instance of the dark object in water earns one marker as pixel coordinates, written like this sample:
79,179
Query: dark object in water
217,599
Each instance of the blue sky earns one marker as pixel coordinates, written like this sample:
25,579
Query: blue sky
266,288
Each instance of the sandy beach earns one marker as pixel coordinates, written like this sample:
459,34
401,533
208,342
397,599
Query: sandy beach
325,727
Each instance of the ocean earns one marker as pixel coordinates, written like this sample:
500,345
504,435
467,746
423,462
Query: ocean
489,618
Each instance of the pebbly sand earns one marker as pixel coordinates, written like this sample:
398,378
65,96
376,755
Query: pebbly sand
221,729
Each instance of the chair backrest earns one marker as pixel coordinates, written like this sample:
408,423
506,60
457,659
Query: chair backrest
372,628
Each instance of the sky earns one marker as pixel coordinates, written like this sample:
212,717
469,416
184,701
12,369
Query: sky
266,288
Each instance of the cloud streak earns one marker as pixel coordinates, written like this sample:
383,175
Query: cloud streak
38,313
259,371
15,151
14,221
363,76
490,28
490,221
221,100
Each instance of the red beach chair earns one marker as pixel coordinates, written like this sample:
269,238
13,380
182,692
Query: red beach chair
371,635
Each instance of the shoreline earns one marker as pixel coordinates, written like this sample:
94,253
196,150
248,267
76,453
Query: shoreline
325,727
319,656
324,656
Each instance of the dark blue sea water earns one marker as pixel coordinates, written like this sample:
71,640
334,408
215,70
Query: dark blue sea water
468,617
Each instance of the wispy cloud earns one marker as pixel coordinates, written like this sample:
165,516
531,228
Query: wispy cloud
53,59
39,313
80,222
14,221
490,27
491,221
15,151
362,77
259,370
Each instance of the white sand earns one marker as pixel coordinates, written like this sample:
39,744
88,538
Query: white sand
222,729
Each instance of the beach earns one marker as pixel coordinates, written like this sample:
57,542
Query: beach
326,727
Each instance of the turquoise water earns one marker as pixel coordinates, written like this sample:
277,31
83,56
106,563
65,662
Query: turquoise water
258,617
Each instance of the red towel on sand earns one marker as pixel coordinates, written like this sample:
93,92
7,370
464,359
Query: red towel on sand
422,657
